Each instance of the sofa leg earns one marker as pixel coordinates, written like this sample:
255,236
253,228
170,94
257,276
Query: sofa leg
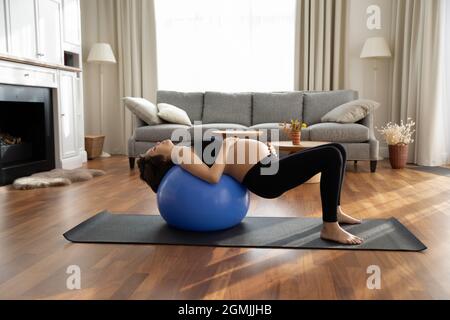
373,166
132,161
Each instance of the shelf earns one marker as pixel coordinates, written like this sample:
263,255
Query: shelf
39,63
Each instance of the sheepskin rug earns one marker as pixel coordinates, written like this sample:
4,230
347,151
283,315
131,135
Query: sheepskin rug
56,178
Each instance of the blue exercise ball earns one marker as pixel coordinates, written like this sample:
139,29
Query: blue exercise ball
189,203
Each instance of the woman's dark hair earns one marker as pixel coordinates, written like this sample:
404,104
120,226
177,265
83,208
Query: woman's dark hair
153,170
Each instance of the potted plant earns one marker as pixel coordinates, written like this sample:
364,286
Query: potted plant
294,130
398,137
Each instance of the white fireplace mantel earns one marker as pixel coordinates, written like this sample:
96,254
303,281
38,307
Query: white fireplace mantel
67,107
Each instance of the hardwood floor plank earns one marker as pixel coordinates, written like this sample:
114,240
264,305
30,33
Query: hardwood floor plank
34,256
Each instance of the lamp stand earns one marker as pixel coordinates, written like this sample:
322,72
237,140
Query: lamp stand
375,71
104,154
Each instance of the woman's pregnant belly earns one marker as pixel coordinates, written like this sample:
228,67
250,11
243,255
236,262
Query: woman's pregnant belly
243,156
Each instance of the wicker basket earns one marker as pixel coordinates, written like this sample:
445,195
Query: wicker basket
398,156
94,146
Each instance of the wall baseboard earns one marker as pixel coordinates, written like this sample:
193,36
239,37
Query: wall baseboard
72,163
84,156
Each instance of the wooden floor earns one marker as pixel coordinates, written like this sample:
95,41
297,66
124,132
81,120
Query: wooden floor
34,255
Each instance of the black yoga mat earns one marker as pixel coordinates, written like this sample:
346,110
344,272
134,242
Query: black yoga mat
254,232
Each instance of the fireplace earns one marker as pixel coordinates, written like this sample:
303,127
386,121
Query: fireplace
26,132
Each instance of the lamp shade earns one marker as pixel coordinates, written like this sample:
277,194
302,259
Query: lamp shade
376,47
101,53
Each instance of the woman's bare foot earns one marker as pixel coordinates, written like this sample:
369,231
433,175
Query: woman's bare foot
333,232
345,218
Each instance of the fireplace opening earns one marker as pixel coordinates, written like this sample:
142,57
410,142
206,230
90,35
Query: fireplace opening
22,137
26,132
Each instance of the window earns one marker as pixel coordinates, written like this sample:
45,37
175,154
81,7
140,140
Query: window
225,45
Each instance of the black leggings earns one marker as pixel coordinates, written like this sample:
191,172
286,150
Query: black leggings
298,168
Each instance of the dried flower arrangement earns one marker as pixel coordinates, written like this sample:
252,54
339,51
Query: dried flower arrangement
398,137
294,130
395,134
294,126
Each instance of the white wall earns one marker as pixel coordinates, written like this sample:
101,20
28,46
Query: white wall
360,74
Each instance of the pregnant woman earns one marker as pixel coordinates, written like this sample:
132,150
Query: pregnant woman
245,161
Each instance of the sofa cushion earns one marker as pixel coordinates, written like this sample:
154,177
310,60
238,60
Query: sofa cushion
335,132
191,102
143,109
277,107
173,114
317,104
351,112
228,108
158,132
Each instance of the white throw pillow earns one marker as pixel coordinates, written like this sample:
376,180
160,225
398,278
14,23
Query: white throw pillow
351,112
143,109
173,114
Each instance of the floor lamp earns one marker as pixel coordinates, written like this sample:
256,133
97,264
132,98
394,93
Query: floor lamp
101,54
376,48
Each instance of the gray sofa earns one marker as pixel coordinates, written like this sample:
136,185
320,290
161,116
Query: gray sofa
244,111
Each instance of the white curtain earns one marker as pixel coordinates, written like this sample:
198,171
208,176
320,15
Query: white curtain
446,82
417,86
129,26
320,45
137,55
225,45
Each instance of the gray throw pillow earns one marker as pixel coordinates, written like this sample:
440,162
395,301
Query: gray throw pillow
143,109
351,112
